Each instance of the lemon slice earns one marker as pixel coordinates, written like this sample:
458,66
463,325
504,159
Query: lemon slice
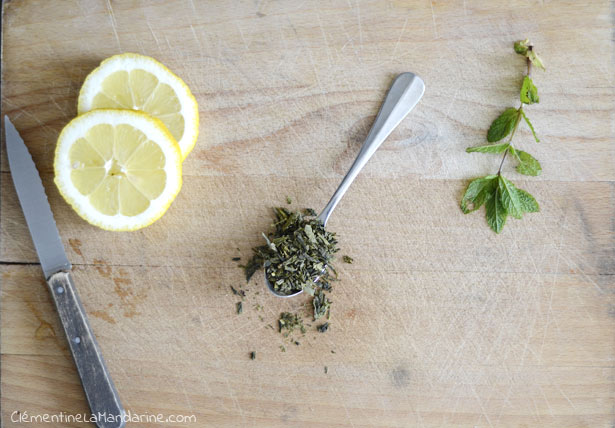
119,169
138,82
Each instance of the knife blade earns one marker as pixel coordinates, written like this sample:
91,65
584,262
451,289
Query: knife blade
100,392
34,204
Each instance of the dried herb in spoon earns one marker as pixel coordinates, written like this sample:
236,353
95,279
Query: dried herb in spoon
298,252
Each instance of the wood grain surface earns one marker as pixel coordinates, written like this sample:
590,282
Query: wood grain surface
438,323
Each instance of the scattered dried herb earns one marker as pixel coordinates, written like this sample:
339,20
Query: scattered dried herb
323,328
239,308
253,355
288,200
282,348
236,259
297,253
290,322
499,195
326,370
321,304
309,212
347,259
236,292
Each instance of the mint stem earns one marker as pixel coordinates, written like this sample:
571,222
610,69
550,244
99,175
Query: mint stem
529,71
512,134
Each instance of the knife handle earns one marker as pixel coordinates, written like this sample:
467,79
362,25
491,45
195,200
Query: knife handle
99,390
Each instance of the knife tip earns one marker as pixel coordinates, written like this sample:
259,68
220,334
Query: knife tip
7,121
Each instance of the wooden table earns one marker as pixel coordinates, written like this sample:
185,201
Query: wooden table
439,322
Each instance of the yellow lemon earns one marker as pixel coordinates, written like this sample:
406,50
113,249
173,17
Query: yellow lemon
138,82
118,169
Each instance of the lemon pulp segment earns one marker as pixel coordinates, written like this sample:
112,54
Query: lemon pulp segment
140,90
118,169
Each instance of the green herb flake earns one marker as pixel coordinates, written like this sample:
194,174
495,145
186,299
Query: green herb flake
239,308
289,322
236,292
253,355
347,259
236,259
321,305
288,200
323,328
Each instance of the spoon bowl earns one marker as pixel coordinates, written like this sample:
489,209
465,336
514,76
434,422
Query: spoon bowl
404,93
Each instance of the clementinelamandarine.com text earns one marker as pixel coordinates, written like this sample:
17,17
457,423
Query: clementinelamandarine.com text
62,417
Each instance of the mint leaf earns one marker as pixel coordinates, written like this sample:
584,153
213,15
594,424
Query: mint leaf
510,197
503,125
521,47
490,148
495,212
533,56
528,203
530,125
524,47
528,164
529,92
478,191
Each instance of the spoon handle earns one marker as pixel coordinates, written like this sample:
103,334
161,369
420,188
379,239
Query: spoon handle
405,92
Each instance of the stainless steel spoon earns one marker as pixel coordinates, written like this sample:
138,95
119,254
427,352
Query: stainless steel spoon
405,92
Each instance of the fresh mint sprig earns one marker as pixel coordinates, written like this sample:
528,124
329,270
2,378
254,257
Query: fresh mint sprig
499,195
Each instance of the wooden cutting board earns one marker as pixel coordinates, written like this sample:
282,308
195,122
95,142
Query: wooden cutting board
439,322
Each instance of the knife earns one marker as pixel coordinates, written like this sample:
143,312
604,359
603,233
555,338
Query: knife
104,401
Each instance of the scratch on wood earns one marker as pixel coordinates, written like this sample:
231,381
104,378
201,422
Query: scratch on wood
153,35
565,396
243,39
192,6
324,37
114,24
399,38
482,407
359,20
433,19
